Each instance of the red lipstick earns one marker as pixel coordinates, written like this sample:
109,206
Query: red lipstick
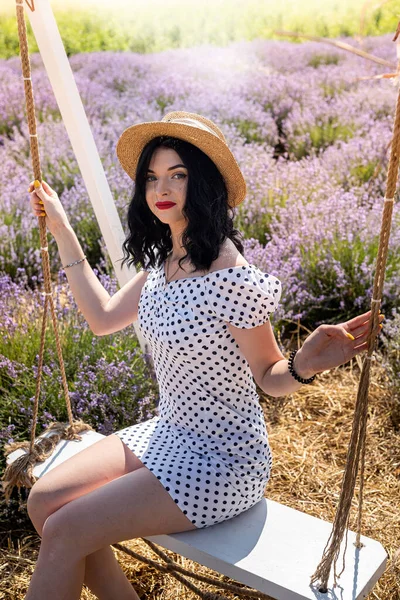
163,205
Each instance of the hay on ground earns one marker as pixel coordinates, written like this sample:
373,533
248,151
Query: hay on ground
309,433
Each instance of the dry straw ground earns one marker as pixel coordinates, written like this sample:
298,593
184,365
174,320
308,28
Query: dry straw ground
309,433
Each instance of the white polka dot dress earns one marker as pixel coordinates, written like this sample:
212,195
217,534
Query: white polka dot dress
208,444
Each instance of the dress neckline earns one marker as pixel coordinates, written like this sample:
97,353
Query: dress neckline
201,276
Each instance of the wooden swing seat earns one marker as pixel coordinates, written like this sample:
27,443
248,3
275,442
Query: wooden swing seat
270,547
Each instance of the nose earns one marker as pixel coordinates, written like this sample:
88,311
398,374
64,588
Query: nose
162,187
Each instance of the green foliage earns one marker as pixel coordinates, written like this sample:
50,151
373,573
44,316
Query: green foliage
331,90
323,59
362,173
248,129
79,346
319,137
259,226
329,132
7,126
322,278
154,26
9,43
163,101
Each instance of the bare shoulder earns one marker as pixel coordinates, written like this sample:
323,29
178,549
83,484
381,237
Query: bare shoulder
229,256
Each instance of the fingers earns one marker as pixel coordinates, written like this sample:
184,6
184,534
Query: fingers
36,199
364,336
37,205
364,328
360,343
43,187
47,189
358,321
359,349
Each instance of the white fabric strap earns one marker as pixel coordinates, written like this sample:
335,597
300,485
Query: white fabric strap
193,123
47,293
388,199
45,249
374,300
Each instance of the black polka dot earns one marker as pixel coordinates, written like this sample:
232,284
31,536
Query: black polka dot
208,444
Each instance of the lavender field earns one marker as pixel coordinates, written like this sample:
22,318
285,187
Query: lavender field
312,141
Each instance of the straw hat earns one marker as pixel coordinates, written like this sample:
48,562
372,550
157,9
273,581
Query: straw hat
193,128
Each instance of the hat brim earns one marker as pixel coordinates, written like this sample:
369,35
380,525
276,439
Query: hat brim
134,139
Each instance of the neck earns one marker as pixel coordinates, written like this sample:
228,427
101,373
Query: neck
178,250
174,256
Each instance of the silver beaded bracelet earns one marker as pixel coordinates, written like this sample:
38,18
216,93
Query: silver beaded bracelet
74,263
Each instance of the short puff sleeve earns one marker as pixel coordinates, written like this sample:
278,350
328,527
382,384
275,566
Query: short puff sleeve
243,296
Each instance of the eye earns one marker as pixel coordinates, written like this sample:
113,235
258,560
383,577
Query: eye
177,175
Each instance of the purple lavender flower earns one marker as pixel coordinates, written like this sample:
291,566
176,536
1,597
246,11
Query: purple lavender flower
312,141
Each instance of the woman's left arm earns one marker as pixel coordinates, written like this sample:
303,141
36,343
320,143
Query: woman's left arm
330,346
327,347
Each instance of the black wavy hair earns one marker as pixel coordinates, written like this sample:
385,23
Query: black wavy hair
209,217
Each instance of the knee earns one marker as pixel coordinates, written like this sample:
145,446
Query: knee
38,506
60,535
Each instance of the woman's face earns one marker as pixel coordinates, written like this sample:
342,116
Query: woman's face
166,186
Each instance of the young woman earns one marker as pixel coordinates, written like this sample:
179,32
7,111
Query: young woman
205,312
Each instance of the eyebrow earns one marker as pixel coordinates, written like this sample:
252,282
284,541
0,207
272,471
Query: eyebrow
170,168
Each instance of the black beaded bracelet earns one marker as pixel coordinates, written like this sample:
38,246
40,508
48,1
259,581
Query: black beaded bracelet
293,372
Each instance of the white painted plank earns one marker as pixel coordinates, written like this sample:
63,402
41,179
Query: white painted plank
276,549
271,547
73,114
64,450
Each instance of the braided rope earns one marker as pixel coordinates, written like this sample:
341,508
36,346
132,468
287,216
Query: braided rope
20,472
355,462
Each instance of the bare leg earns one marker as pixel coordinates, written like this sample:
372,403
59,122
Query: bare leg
132,506
99,571
107,582
92,467
55,576
105,578
104,575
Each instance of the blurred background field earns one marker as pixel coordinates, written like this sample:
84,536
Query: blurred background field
157,25
311,129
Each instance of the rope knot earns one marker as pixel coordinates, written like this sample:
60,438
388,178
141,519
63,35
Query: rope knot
72,431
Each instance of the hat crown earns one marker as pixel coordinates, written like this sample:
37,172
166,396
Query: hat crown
194,129
194,120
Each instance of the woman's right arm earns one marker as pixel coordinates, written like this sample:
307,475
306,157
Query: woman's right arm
104,314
